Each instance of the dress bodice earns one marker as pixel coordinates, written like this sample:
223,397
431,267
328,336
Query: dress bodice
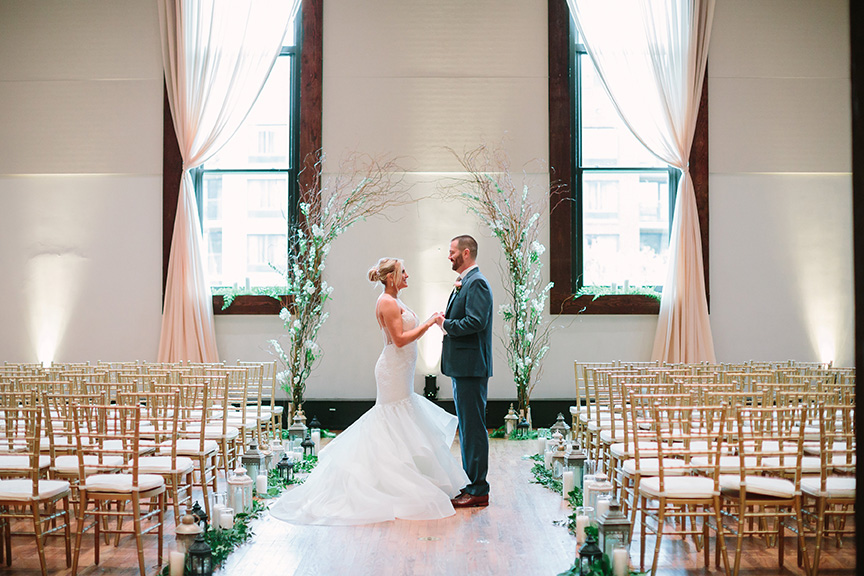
394,371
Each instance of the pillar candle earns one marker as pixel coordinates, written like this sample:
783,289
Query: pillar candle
215,521
602,507
541,445
226,519
568,482
261,485
581,523
316,438
547,460
176,561
620,562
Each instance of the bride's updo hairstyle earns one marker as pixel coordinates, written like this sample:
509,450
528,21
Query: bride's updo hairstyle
384,268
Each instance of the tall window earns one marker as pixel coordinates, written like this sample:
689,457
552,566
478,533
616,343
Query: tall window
248,190
611,218
626,194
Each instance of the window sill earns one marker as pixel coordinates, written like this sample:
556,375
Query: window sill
607,304
250,304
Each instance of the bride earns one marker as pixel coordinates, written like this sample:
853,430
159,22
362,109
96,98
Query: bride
395,460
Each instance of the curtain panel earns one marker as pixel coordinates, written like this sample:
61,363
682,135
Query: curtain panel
651,56
216,57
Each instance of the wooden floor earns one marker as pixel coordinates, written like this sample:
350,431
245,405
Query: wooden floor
516,534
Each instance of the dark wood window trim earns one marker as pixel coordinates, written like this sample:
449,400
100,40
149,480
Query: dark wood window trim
311,68
562,206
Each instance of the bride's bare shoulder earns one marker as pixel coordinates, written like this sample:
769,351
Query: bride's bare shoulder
386,303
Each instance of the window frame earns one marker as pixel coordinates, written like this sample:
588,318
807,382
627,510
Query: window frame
307,143
565,244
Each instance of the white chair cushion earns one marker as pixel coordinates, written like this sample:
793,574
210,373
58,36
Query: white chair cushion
21,489
279,409
728,464
215,431
573,410
189,447
21,462
762,485
651,467
647,449
144,446
162,465
69,464
122,482
835,486
678,487
608,437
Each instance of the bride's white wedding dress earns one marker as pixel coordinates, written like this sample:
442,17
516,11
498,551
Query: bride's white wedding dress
393,462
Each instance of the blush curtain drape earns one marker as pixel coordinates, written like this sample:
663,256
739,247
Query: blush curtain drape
651,56
217,56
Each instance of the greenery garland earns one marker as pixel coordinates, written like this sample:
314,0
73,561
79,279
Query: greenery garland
514,435
223,542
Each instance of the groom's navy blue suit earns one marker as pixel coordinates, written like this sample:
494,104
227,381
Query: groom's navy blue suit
466,357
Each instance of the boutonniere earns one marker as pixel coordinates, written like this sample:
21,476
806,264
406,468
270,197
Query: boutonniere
457,286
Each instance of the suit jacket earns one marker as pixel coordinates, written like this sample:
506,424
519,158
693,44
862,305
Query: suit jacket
467,346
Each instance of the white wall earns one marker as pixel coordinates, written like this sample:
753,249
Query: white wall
80,178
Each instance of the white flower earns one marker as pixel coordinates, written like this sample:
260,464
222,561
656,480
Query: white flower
297,325
309,288
282,377
538,248
284,314
316,230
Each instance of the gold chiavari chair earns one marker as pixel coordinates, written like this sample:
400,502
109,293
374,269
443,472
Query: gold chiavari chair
766,491
117,426
833,490
688,493
581,413
214,419
192,440
161,412
33,497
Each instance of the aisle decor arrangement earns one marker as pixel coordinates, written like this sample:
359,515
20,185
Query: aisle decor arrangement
361,186
223,541
512,214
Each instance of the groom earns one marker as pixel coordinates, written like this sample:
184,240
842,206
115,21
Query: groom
466,357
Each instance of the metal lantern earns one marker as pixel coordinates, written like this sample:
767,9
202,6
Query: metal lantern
254,461
186,532
285,468
430,388
590,555
240,491
574,461
199,514
522,428
560,426
297,430
199,558
510,421
315,425
614,529
308,446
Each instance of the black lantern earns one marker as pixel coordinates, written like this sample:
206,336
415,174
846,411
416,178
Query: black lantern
200,514
315,425
430,389
285,467
199,558
590,555
522,428
308,446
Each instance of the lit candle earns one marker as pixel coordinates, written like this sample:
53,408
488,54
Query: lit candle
581,523
217,514
261,485
176,561
541,445
226,519
620,562
316,438
568,483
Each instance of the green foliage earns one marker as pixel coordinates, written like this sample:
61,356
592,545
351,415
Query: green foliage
229,293
500,433
598,291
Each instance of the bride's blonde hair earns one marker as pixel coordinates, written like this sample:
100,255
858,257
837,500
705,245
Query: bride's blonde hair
384,268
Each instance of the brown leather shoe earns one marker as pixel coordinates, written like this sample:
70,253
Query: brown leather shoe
466,500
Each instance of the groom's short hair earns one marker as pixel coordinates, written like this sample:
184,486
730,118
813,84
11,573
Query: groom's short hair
465,241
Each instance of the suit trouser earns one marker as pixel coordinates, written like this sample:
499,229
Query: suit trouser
469,394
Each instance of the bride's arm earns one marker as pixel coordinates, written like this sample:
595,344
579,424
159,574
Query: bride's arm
391,314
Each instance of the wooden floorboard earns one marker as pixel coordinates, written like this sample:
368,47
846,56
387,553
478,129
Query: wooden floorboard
516,534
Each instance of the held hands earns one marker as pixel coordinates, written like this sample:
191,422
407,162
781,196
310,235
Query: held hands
436,318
